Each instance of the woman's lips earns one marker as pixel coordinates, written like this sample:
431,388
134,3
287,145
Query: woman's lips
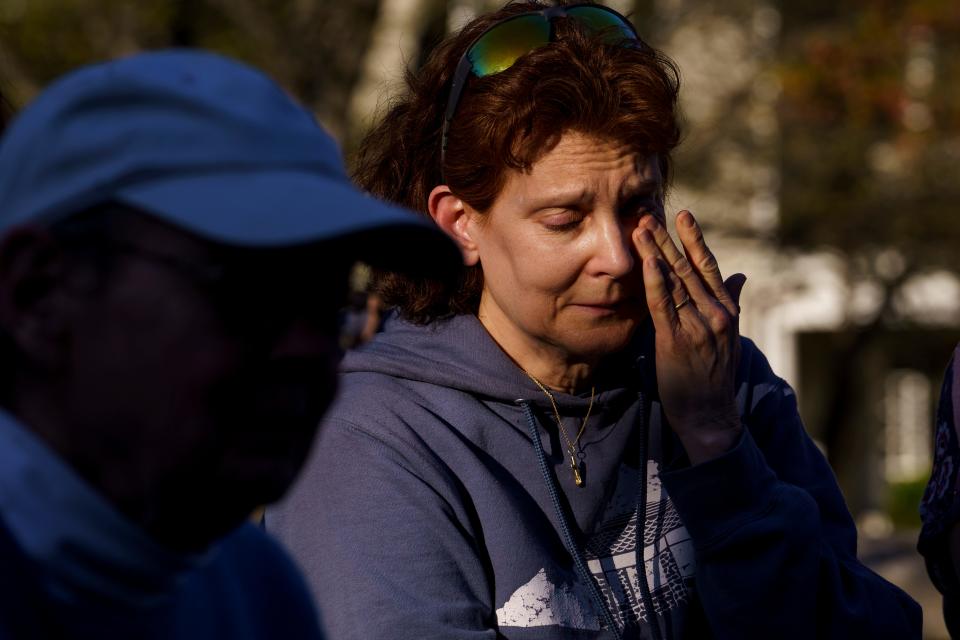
608,306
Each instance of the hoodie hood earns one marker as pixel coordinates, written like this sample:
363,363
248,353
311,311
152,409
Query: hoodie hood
459,353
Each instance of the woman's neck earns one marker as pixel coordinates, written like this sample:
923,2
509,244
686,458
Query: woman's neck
549,364
572,379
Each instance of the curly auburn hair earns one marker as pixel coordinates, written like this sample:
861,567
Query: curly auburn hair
506,122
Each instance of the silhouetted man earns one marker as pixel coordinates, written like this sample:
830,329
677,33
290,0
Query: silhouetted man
175,240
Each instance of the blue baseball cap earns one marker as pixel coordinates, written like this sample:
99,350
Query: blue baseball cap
205,143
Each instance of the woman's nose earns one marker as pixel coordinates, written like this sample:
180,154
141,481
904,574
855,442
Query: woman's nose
614,252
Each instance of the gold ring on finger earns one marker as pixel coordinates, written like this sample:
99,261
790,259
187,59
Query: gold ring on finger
685,300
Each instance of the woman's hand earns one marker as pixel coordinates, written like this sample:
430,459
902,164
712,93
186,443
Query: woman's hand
695,316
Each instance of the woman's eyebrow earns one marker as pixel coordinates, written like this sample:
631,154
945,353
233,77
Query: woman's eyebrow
561,198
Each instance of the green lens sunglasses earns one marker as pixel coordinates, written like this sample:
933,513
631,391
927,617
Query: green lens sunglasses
501,45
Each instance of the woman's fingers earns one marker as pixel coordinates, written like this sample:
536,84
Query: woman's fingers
734,286
703,260
678,262
697,343
657,287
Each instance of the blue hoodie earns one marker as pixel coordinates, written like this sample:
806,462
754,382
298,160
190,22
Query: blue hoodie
439,503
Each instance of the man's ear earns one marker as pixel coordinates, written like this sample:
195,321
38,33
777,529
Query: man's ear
455,218
31,275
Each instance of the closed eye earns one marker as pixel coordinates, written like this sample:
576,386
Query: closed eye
639,206
566,226
565,219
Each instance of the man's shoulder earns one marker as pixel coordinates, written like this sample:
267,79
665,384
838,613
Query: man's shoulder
21,596
250,573
249,554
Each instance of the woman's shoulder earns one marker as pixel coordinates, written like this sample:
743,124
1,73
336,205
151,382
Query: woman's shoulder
755,372
767,402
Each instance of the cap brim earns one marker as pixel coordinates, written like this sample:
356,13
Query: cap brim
263,209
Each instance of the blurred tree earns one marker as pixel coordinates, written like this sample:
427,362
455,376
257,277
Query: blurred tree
312,47
401,37
870,145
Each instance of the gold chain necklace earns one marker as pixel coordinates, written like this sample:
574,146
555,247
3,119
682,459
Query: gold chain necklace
572,445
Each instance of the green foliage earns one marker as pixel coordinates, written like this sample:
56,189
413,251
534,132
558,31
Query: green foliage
903,502
45,38
312,47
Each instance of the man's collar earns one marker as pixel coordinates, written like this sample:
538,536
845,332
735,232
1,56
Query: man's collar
84,546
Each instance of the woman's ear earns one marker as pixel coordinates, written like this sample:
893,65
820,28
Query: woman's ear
454,217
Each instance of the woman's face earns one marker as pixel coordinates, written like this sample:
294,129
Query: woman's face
560,269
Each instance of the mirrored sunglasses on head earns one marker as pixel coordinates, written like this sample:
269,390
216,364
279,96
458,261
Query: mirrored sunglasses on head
503,43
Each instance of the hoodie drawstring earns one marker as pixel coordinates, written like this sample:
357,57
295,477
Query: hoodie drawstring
642,527
578,562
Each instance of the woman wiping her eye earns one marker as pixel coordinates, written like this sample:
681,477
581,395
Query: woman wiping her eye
574,441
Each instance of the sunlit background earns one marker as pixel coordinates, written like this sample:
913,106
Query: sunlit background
821,150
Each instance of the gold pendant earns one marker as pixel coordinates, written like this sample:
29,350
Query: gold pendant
576,471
